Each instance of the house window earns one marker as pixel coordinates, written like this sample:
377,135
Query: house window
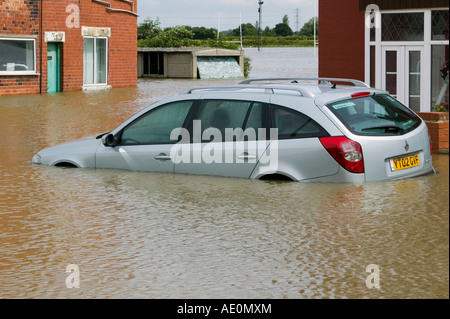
439,87
439,25
17,56
402,26
439,59
95,57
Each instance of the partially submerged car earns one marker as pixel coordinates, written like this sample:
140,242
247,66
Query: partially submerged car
330,130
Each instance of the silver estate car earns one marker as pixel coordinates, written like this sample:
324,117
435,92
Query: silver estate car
321,130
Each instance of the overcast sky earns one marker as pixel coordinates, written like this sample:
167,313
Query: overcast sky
208,13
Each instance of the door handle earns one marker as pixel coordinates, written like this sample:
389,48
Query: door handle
163,157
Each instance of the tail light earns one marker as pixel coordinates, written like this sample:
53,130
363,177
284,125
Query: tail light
346,152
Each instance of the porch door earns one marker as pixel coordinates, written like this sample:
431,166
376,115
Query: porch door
403,76
53,67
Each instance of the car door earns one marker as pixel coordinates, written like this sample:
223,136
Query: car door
146,143
301,156
226,139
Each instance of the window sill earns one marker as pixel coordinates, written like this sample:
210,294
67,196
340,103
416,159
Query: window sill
18,73
95,87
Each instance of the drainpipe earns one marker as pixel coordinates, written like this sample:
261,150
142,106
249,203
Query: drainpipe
40,46
108,6
131,3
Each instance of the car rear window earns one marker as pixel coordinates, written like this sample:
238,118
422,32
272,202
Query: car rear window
375,115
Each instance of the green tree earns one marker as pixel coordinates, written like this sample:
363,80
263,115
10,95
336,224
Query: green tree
150,34
148,29
172,37
283,29
247,66
248,29
202,33
308,28
267,32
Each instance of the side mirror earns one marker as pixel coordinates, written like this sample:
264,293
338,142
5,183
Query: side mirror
110,140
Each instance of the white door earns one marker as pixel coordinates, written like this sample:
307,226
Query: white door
403,76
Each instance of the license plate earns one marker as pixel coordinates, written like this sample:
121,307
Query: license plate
404,162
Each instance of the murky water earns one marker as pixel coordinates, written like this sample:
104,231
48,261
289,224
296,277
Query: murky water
149,235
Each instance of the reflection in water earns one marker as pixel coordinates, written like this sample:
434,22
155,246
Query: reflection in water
150,235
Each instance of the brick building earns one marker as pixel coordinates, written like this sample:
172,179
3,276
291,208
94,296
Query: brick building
67,45
399,46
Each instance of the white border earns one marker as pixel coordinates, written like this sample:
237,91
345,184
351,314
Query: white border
97,85
426,53
34,72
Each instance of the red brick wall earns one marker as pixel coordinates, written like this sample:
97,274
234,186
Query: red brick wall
123,48
20,18
341,39
438,128
122,54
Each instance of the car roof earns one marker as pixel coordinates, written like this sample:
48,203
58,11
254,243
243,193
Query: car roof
323,90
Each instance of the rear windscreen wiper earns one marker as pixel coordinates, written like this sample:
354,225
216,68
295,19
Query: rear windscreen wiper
386,128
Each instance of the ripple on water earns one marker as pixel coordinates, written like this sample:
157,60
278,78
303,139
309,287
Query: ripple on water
149,235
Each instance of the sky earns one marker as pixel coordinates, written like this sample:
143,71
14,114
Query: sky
226,14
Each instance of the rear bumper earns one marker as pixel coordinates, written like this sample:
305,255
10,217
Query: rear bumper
428,171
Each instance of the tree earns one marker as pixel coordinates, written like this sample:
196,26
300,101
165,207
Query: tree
150,34
148,29
247,29
202,33
172,37
268,32
283,29
308,28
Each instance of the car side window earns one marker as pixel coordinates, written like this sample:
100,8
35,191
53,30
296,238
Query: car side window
293,124
155,127
218,115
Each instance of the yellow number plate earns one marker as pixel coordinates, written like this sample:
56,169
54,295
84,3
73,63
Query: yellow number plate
404,162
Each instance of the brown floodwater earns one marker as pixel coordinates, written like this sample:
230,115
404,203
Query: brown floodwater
151,235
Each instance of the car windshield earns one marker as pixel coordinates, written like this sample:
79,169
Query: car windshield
375,115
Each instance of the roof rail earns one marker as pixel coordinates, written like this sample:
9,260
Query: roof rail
270,88
265,89
321,80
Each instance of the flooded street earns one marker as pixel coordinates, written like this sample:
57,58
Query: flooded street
151,235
